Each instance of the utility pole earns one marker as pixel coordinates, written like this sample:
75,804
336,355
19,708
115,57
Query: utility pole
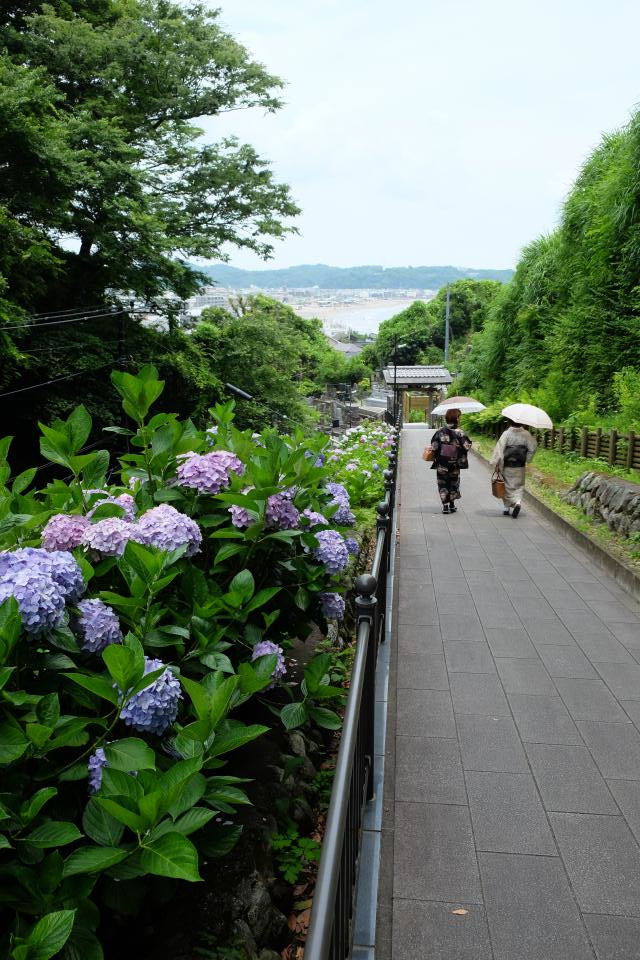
446,328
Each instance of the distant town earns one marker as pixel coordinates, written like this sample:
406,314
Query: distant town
339,310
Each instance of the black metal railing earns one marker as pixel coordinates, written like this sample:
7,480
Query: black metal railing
331,927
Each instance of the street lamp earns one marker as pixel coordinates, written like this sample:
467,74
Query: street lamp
396,346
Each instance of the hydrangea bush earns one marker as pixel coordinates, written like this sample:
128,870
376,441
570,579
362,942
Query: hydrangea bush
136,617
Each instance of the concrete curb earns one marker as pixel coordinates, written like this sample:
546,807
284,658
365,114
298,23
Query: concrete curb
628,579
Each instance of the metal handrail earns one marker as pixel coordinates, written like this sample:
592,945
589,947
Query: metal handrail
330,929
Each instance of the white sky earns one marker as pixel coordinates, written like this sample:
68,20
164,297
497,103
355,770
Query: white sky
432,131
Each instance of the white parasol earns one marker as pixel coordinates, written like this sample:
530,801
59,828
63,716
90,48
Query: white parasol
529,415
463,404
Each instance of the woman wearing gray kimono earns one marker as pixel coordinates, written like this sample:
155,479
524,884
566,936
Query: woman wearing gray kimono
513,451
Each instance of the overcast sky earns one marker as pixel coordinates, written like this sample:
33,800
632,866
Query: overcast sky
432,131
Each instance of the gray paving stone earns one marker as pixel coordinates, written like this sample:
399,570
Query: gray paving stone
428,770
491,743
531,912
627,795
582,623
524,676
415,640
632,708
592,591
568,779
425,713
508,642
450,586
566,661
422,929
534,607
543,719
507,814
615,938
478,694
613,611
418,611
627,633
604,648
590,700
548,631
434,855
462,626
425,671
615,747
468,656
462,604
602,860
494,613
623,679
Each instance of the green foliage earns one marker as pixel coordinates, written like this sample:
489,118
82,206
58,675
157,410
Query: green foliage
421,326
565,333
293,853
65,855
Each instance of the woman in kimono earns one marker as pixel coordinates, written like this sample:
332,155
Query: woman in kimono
513,451
450,445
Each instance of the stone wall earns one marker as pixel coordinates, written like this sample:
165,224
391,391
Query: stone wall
611,499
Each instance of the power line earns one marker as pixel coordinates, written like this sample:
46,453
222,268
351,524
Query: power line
55,313
70,376
28,350
58,323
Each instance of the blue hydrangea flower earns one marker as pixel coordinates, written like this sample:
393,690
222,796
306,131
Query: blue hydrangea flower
97,626
96,762
263,649
338,492
166,528
64,531
281,513
155,708
40,598
352,546
240,516
331,551
332,605
41,581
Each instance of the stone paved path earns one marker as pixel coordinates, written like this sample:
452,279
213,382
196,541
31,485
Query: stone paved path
513,759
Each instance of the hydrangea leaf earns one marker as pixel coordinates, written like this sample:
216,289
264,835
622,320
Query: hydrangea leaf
54,833
49,935
294,715
93,860
171,855
100,825
130,754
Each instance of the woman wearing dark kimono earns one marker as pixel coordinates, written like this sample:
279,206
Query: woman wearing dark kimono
450,445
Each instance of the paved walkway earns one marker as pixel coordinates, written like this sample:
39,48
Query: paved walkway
513,755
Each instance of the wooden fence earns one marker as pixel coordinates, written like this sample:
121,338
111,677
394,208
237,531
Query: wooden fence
619,450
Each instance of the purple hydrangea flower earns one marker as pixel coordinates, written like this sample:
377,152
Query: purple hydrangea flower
240,516
338,492
96,762
281,513
263,649
315,519
331,551
332,605
343,516
351,466
320,458
156,707
209,472
352,546
124,500
166,528
97,626
210,434
64,531
110,536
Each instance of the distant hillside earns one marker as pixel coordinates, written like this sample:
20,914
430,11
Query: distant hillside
341,278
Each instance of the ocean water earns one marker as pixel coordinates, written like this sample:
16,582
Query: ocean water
363,319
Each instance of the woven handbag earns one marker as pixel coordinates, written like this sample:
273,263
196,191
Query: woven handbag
428,454
498,487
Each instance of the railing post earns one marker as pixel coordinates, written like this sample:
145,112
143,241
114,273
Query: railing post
561,440
584,441
630,449
598,442
366,604
613,447
383,526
